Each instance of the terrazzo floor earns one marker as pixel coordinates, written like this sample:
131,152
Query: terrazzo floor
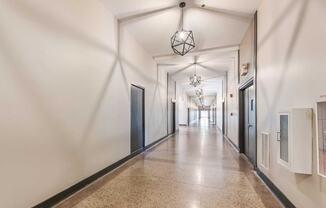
196,168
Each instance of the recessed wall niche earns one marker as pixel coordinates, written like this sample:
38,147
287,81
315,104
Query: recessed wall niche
321,137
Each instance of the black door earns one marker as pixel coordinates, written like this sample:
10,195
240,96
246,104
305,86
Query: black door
223,118
214,116
173,118
137,132
250,124
188,113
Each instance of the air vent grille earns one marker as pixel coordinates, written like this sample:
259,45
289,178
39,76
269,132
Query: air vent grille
265,150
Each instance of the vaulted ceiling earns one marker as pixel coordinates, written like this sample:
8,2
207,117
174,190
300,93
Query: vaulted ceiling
219,23
218,27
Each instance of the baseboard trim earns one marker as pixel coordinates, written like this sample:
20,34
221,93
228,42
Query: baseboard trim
218,128
56,199
278,193
157,141
193,121
231,142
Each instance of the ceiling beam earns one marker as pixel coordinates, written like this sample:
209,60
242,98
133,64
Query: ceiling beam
167,64
181,70
142,14
227,48
228,13
185,80
220,73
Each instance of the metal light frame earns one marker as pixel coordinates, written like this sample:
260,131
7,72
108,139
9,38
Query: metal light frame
183,40
195,80
199,93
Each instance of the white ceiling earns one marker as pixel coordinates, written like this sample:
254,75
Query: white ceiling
210,86
127,7
211,67
208,65
211,29
220,24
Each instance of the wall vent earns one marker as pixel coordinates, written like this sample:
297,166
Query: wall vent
265,150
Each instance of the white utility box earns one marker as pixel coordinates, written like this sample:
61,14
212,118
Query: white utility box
294,136
321,136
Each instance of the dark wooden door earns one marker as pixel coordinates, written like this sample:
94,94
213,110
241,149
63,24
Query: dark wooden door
137,137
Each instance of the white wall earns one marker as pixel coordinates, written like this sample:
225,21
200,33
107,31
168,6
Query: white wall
232,103
65,109
193,114
247,54
219,101
291,73
182,101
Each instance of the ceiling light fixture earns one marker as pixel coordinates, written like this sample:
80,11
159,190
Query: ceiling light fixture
200,93
195,80
183,40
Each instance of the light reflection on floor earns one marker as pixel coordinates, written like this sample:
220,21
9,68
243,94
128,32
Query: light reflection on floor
196,168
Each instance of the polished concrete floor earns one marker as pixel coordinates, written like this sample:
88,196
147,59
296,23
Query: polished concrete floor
195,168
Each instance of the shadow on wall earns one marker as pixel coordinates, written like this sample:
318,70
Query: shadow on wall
302,6
152,110
49,22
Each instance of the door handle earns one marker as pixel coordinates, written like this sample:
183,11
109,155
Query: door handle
278,136
249,125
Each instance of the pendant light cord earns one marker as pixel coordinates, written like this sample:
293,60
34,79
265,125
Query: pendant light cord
182,5
182,15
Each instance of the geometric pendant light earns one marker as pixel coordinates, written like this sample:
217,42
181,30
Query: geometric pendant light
195,80
199,93
183,40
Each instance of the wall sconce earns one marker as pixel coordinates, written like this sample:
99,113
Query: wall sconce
244,69
231,95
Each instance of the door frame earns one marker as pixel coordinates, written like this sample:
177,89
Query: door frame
143,114
250,82
241,136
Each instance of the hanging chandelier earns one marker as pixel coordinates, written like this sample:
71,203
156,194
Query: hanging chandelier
183,40
195,80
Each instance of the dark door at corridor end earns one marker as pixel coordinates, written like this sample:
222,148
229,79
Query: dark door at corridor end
250,124
137,132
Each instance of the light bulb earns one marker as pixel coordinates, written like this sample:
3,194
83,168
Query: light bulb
182,35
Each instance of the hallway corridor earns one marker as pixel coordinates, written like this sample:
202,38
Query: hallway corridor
195,168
